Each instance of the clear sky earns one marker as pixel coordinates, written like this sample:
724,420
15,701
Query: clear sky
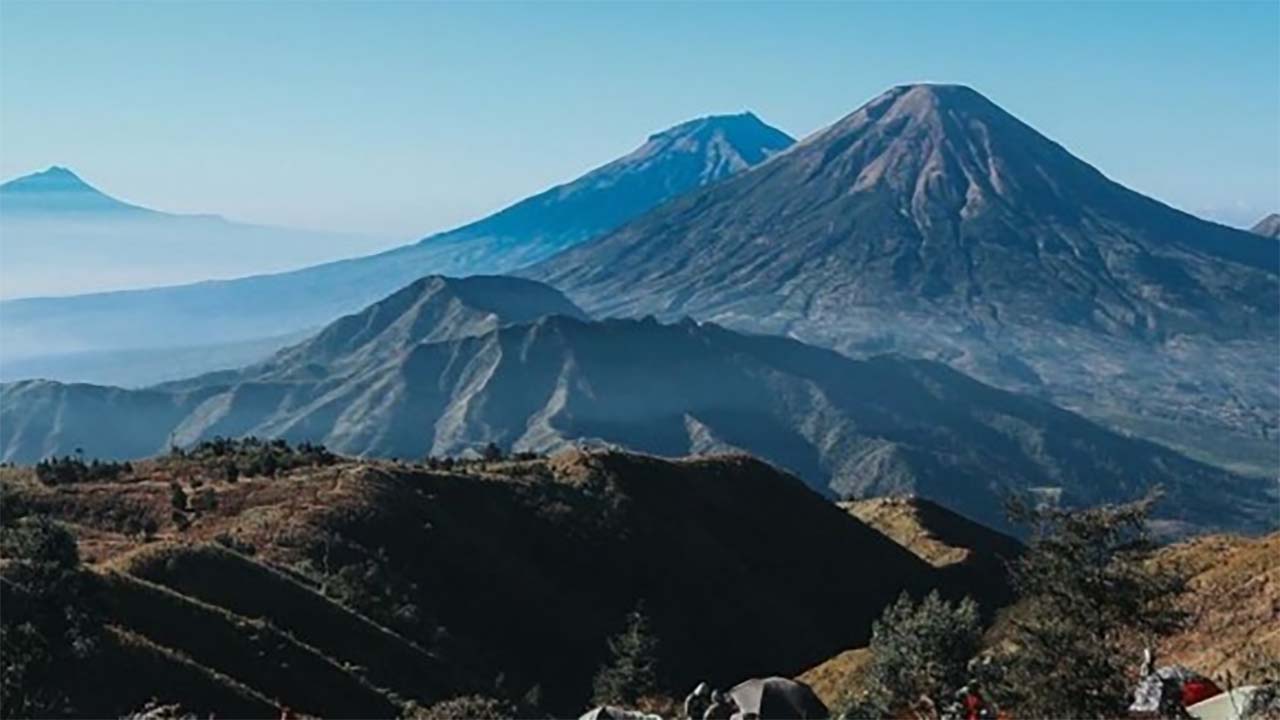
409,117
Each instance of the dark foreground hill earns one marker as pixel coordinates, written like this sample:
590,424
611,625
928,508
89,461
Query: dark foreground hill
446,367
932,222
351,588
250,312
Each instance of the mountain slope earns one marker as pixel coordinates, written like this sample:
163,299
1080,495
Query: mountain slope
1268,226
520,569
1233,599
973,558
424,373
931,222
62,235
932,196
266,306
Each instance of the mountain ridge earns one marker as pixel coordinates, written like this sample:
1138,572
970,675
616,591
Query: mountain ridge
274,305
425,373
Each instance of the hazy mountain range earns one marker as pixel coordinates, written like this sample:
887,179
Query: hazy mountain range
63,236
929,223
233,321
445,366
933,223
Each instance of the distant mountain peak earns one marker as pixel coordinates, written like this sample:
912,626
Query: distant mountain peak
58,190
430,309
1268,226
54,179
740,140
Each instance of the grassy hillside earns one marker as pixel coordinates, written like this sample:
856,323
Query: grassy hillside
1234,601
355,588
1232,598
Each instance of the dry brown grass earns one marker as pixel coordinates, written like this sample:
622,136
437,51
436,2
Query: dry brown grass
1234,601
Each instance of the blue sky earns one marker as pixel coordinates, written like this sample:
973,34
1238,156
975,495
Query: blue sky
406,118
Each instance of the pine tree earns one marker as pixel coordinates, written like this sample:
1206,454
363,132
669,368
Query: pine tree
1090,601
632,671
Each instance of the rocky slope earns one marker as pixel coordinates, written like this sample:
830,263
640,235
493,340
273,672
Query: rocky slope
265,307
931,222
445,367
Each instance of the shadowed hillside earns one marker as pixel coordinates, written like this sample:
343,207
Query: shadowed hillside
513,568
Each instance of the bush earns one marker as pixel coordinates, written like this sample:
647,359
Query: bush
232,458
920,650
49,628
68,470
471,707
632,671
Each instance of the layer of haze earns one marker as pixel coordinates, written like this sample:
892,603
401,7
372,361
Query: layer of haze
407,118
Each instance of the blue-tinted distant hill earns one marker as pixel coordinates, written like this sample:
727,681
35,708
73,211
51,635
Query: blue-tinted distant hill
62,236
669,163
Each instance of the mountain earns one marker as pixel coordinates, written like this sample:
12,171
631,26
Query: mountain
430,371
1268,226
342,588
62,235
276,305
933,533
931,222
972,558
58,191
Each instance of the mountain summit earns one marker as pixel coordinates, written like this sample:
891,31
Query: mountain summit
58,189
681,158
931,197
930,221
1268,226
63,235
266,310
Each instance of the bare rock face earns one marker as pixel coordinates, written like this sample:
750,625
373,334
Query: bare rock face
931,222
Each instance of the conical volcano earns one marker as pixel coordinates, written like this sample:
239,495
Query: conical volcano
933,223
930,198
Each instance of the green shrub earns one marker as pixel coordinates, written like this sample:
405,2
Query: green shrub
920,650
470,707
632,670
50,626
68,470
